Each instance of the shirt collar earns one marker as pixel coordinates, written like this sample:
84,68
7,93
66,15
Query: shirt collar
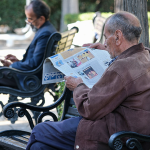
112,61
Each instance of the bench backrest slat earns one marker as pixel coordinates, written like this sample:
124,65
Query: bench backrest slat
73,111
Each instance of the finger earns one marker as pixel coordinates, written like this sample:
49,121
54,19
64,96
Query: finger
10,58
65,77
94,45
2,60
88,44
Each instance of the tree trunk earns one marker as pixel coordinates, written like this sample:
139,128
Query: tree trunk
138,8
68,7
118,5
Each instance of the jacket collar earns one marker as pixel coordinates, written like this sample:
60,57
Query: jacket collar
45,24
132,50
38,31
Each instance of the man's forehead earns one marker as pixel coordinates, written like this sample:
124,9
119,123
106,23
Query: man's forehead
105,30
30,12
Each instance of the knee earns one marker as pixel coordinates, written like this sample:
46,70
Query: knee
35,146
38,127
41,146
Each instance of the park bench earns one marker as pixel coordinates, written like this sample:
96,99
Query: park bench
33,85
17,140
99,22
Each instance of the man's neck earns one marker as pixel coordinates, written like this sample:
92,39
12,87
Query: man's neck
41,25
126,45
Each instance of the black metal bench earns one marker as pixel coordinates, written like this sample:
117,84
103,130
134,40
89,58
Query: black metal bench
17,140
34,89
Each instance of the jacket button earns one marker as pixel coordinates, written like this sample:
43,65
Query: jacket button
77,146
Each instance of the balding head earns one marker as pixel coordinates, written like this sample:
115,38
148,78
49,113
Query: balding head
128,23
40,8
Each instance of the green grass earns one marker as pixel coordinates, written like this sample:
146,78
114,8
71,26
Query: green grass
71,18
106,15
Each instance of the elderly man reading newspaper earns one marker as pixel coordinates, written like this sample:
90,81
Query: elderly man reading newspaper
119,101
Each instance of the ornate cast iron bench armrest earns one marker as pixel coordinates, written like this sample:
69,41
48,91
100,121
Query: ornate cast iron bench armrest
12,73
8,110
115,142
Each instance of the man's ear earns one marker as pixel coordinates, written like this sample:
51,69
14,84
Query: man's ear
42,18
118,37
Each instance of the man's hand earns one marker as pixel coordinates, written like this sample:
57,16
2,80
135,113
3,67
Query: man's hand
72,82
87,45
5,62
95,45
11,57
98,46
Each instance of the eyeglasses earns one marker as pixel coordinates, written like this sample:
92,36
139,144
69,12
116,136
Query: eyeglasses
30,22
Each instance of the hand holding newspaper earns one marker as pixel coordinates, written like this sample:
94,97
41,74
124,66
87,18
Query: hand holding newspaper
87,63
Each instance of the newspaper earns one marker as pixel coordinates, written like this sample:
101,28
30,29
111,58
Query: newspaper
87,63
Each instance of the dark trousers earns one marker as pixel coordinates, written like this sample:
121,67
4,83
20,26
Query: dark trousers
5,81
54,135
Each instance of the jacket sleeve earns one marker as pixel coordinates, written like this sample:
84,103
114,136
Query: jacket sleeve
37,56
105,96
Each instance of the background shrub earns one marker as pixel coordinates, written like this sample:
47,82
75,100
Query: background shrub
12,13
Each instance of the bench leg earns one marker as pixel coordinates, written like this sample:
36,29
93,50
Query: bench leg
2,105
34,102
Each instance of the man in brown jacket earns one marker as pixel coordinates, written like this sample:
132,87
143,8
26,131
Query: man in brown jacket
119,101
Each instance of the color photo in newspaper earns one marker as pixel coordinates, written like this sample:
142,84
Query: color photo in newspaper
89,64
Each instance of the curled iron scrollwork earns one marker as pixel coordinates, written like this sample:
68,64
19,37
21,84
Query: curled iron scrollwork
118,144
133,143
10,75
9,113
41,116
1,75
31,83
21,112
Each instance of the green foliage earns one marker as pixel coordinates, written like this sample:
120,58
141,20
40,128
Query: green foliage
106,15
70,18
61,86
96,5
12,13
55,6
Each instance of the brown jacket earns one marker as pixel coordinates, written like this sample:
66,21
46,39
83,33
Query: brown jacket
119,101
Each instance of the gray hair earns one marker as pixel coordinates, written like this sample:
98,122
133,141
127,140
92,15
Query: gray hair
40,8
119,21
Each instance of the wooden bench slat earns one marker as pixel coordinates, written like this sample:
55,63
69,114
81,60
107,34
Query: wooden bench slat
72,31
70,37
63,40
20,139
68,43
73,111
67,116
26,136
13,143
72,101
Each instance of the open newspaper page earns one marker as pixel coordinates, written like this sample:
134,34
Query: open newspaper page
89,64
